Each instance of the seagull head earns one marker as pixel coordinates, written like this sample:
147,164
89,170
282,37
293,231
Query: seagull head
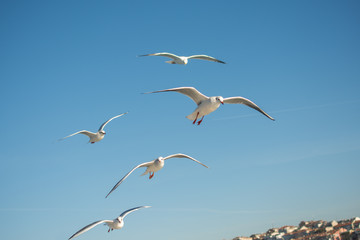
160,159
220,99
102,132
119,219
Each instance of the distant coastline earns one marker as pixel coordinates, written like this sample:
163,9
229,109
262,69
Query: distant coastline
348,229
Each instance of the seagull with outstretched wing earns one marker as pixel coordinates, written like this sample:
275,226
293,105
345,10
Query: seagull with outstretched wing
154,166
99,135
182,59
117,223
207,105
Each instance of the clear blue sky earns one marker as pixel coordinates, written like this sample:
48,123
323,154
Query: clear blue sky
70,65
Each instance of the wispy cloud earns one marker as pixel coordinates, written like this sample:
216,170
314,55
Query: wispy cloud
312,151
50,209
218,211
208,210
295,109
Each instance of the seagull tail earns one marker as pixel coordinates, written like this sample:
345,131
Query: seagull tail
192,116
146,172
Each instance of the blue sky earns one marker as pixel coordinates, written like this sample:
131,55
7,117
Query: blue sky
70,65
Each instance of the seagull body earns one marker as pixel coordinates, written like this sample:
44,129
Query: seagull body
204,108
182,59
99,135
206,105
154,166
117,223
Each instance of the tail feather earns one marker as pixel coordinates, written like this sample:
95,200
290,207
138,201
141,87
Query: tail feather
192,116
146,172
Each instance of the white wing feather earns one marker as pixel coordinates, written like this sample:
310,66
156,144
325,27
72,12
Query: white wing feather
87,133
88,227
206,57
247,102
191,92
121,180
163,54
180,155
132,210
104,124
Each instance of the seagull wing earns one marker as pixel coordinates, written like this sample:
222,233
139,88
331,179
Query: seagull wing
191,92
104,124
205,57
121,180
132,210
88,227
180,155
163,54
247,102
87,133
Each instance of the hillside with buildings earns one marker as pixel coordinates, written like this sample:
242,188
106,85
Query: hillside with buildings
348,229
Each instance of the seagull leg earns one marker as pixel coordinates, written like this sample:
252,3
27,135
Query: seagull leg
92,142
201,120
196,118
151,175
109,230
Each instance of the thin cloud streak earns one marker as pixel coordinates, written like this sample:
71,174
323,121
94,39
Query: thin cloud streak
218,211
321,153
51,209
290,110
209,210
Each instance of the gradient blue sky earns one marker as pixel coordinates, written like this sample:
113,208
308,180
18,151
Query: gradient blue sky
71,65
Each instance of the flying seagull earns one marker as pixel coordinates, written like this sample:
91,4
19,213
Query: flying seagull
117,223
99,135
181,59
153,166
207,105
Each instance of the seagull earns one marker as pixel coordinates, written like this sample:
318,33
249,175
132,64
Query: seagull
117,223
99,135
207,105
181,59
154,166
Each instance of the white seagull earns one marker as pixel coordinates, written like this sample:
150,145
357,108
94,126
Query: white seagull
154,166
117,223
181,59
99,135
207,105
